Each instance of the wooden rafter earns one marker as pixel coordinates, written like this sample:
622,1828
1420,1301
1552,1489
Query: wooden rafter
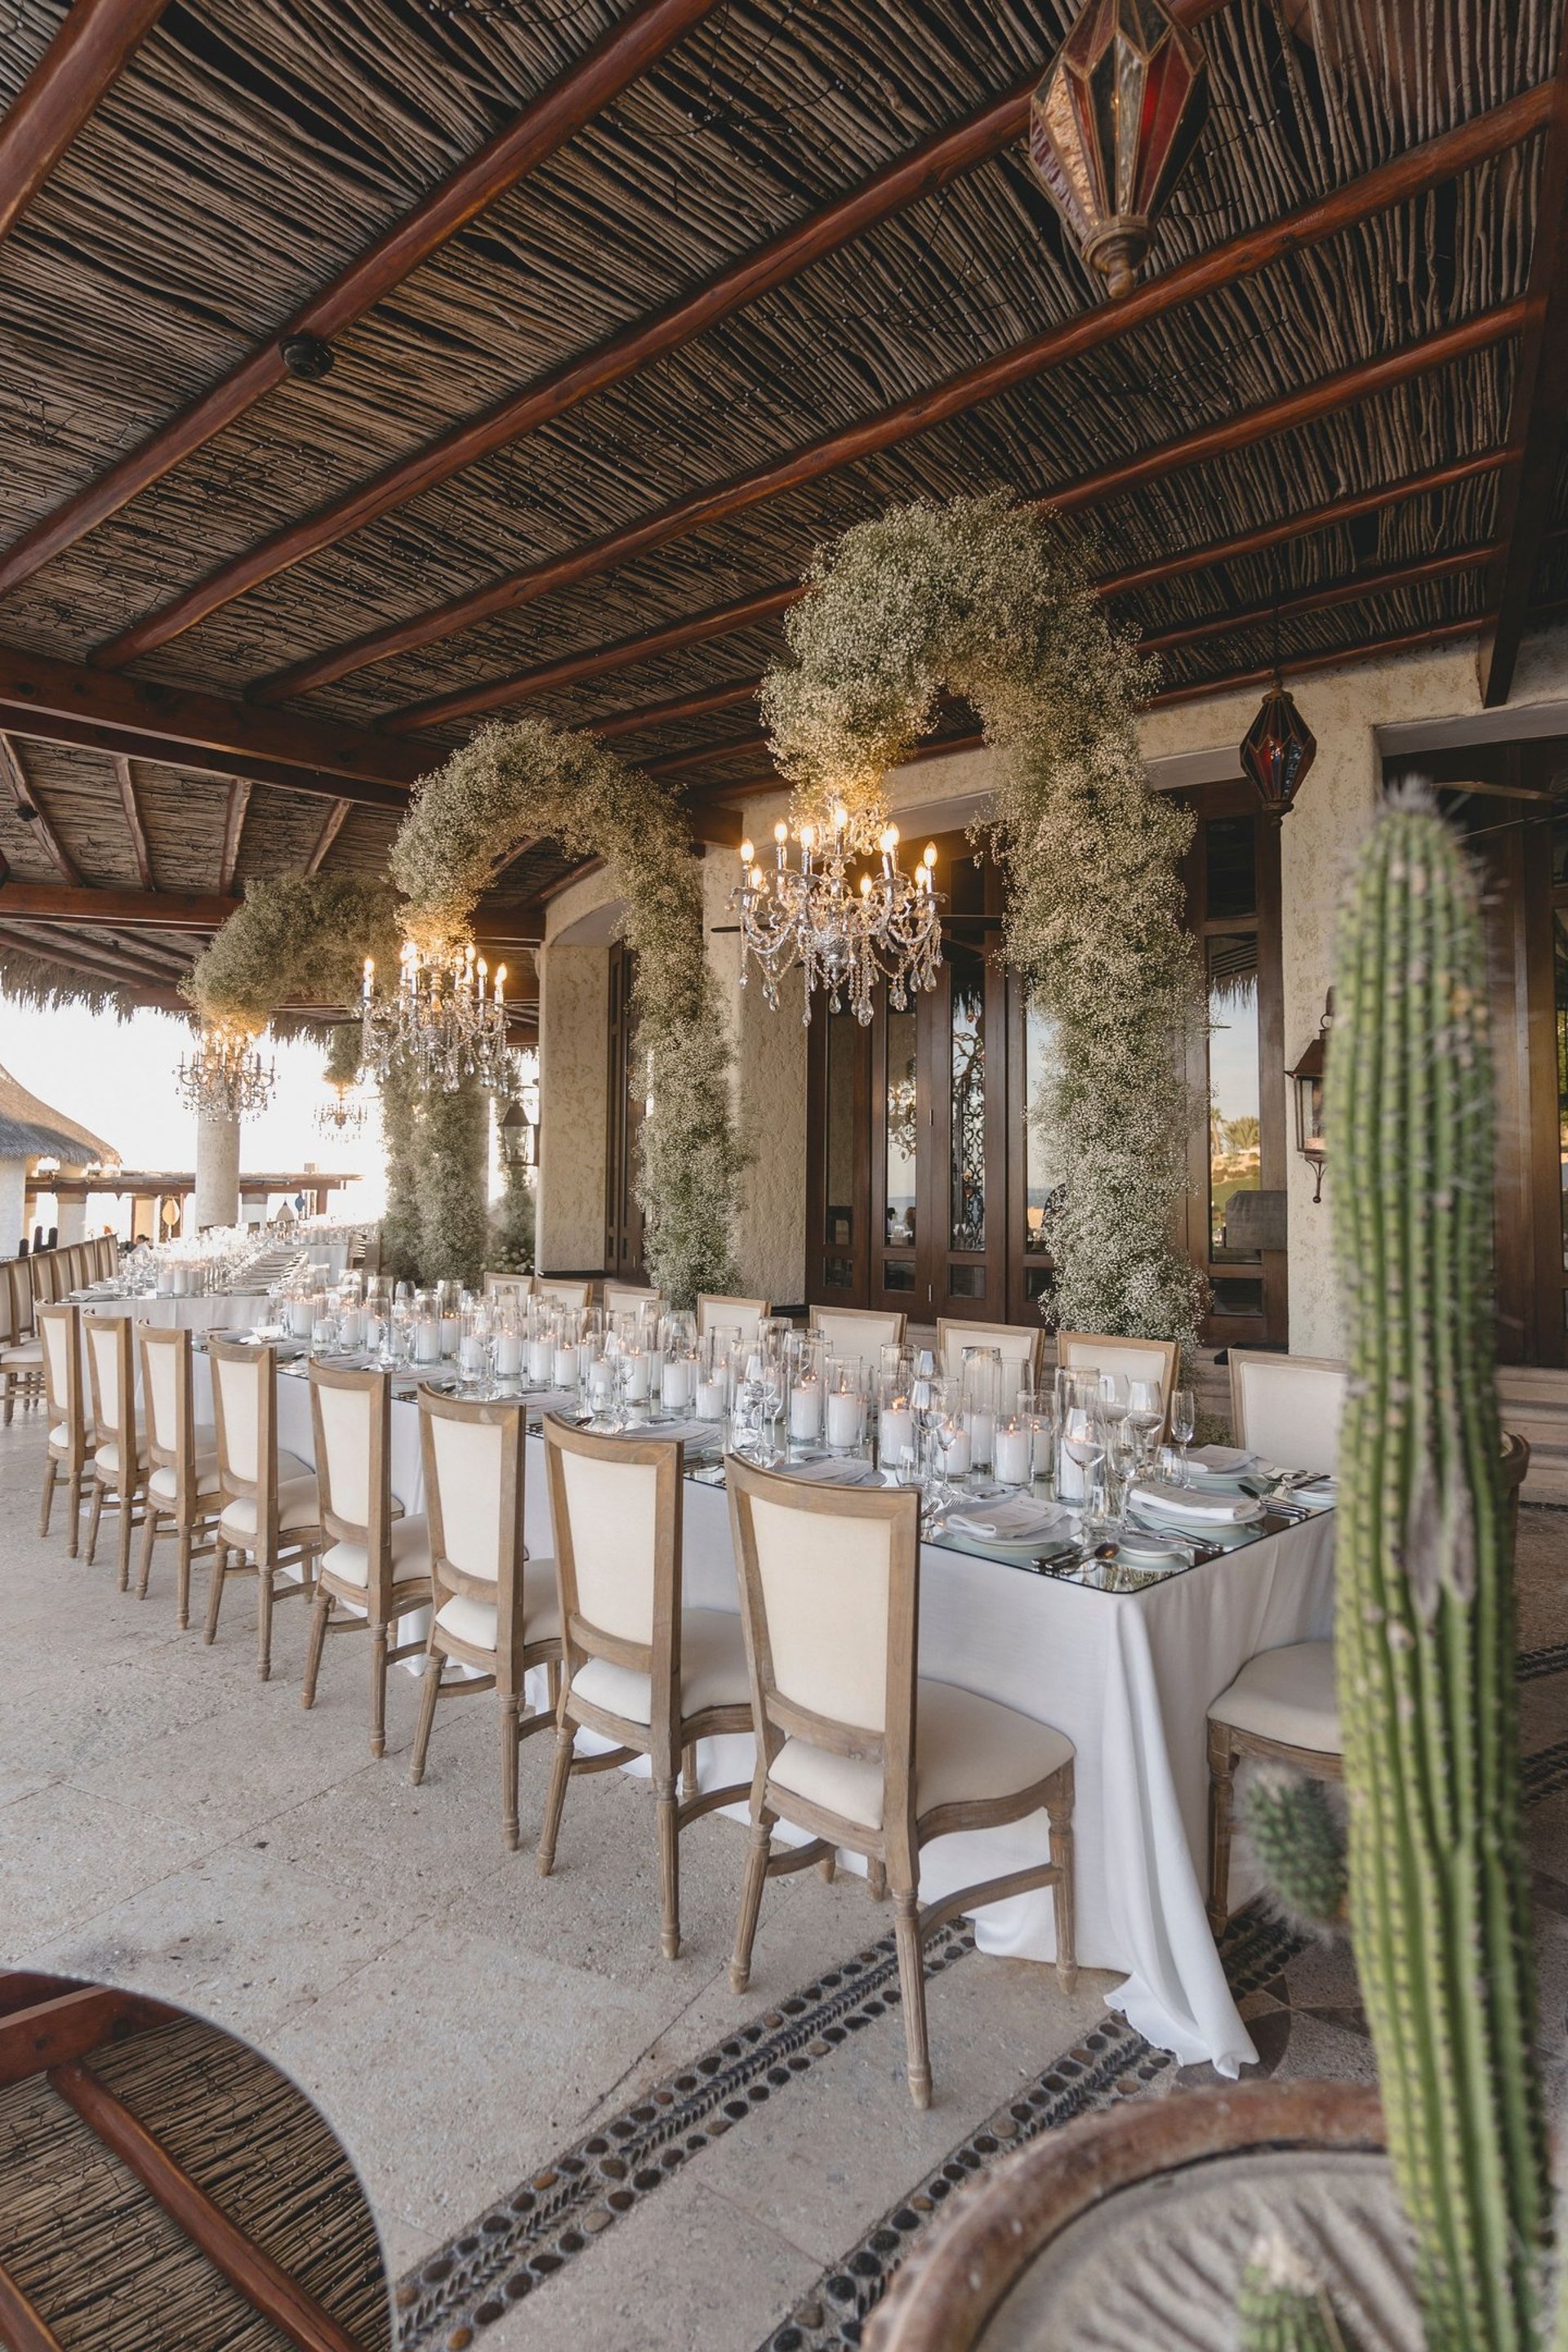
22,2325
69,702
681,705
95,42
1411,174
249,2268
332,826
620,55
29,805
75,955
1536,417
1417,573
138,831
167,911
233,830
67,2023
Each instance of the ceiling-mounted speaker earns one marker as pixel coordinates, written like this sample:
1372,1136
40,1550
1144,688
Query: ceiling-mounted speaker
308,356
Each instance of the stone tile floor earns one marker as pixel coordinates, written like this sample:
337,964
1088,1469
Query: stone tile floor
167,1821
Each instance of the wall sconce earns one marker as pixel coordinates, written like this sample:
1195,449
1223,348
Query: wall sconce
1308,1077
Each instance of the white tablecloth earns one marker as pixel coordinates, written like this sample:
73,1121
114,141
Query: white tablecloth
1128,1677
215,1311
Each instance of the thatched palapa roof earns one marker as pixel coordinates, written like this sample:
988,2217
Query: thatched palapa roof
30,1129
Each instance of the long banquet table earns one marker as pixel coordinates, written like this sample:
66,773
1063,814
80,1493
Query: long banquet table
1128,1677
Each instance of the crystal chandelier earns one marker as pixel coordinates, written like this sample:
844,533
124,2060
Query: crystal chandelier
342,1113
445,1024
844,937
223,1078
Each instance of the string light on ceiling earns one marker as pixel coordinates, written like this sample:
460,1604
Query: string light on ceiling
224,1077
446,1021
846,936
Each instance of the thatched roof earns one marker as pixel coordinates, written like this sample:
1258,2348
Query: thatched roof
253,148
30,1129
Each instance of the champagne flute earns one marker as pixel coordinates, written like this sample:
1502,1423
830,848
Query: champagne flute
1184,1426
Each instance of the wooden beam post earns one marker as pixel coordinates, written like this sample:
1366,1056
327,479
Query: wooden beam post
29,806
92,49
22,2325
67,2023
138,831
1536,419
330,829
233,828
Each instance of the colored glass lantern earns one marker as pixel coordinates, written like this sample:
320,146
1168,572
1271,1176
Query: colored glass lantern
1277,750
1113,126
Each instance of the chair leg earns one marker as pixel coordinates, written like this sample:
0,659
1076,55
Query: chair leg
215,1593
750,1901
1222,1796
877,1878
75,1498
912,1987
127,1521
429,1691
378,1690
689,1769
265,1597
1058,1811
320,1612
668,1809
48,1504
93,1517
183,1581
560,1773
10,1398
509,1831
149,1538
552,1685
827,1868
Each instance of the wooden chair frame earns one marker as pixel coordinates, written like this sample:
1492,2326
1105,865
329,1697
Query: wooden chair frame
1113,1343
384,1598
192,1517
668,1740
987,1335
504,1668
20,1381
711,1306
125,1488
863,1315
892,1851
561,1292
271,1549
65,1465
504,1286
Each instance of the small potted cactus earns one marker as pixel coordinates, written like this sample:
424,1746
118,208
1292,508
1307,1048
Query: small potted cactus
1434,1884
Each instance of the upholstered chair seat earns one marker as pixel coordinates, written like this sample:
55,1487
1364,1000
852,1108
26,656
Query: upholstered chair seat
712,1671
409,1545
60,1434
474,1621
110,1457
165,1483
299,1506
26,1352
968,1749
1286,1695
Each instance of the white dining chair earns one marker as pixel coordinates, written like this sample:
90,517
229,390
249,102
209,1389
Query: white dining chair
860,1332
70,1439
270,1524
374,1568
715,1312
625,1297
1286,1408
1125,1360
21,1348
183,1496
1021,1345
119,1459
563,1292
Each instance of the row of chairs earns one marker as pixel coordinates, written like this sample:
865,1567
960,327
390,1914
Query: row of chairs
31,1282
853,1749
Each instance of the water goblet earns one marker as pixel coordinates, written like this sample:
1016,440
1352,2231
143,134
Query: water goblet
1184,1427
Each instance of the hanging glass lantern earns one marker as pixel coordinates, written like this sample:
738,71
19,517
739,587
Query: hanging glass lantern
1113,126
1277,750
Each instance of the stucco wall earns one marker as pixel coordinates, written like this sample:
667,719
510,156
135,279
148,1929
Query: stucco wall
574,1078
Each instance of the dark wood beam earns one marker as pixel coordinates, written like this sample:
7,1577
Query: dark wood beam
614,60
67,2023
676,764
330,829
1417,573
22,2325
28,805
232,829
901,183
249,2268
683,705
63,701
138,831
92,49
1536,416
163,911
1410,174
73,956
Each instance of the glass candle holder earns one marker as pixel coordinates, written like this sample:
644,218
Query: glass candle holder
427,1328
896,1423
1037,1411
509,1341
981,1381
1012,1453
845,1401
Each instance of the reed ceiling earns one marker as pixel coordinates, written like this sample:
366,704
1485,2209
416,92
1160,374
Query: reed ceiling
252,150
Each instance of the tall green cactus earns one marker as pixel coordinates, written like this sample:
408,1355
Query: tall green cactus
1424,1617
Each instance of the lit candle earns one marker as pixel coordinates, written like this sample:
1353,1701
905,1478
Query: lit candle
806,1408
636,1374
1012,1460
895,1435
471,1352
843,1418
564,1368
710,1400
958,1456
448,1335
980,1427
508,1355
601,1379
428,1340
539,1359
677,1382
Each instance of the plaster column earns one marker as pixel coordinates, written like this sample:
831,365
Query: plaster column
13,1204
72,1218
769,1091
218,1172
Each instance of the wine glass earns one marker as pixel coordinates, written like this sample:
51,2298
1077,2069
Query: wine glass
1143,1415
943,1429
1184,1426
1085,1439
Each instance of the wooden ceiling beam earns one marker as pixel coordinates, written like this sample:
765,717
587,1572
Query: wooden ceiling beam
1536,416
676,764
29,806
62,701
333,824
22,2325
233,828
1417,573
106,949
165,910
138,831
93,963
249,2268
1411,173
67,2023
94,44
683,705
625,50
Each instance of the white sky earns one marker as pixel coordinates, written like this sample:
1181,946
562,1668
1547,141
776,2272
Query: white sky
117,1079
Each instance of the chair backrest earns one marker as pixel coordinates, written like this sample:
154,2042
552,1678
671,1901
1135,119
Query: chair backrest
166,1406
111,1360
1286,1408
619,1297
1128,1359
474,1458
509,1285
858,1330
19,1286
615,1508
564,1294
108,1256
8,1331
715,1313
352,1415
59,1327
829,1597
242,1418
1022,1348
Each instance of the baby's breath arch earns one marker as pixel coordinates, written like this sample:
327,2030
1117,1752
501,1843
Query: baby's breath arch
514,781
302,937
983,598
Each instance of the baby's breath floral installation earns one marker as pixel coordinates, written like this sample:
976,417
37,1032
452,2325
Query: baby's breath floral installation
304,936
512,1224
345,1047
986,599
402,1226
454,1214
530,778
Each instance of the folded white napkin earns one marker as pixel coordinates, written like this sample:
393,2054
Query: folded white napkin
1014,1520
690,1433
1221,1461
834,1470
1178,1503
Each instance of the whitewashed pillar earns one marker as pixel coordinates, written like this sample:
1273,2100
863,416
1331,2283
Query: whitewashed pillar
13,1204
217,1171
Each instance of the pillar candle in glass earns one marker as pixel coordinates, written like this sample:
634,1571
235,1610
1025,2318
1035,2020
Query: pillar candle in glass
565,1334
678,1378
1037,1411
981,1394
843,1419
710,1398
427,1328
804,1357
895,1420
540,1343
1013,1450
509,1344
